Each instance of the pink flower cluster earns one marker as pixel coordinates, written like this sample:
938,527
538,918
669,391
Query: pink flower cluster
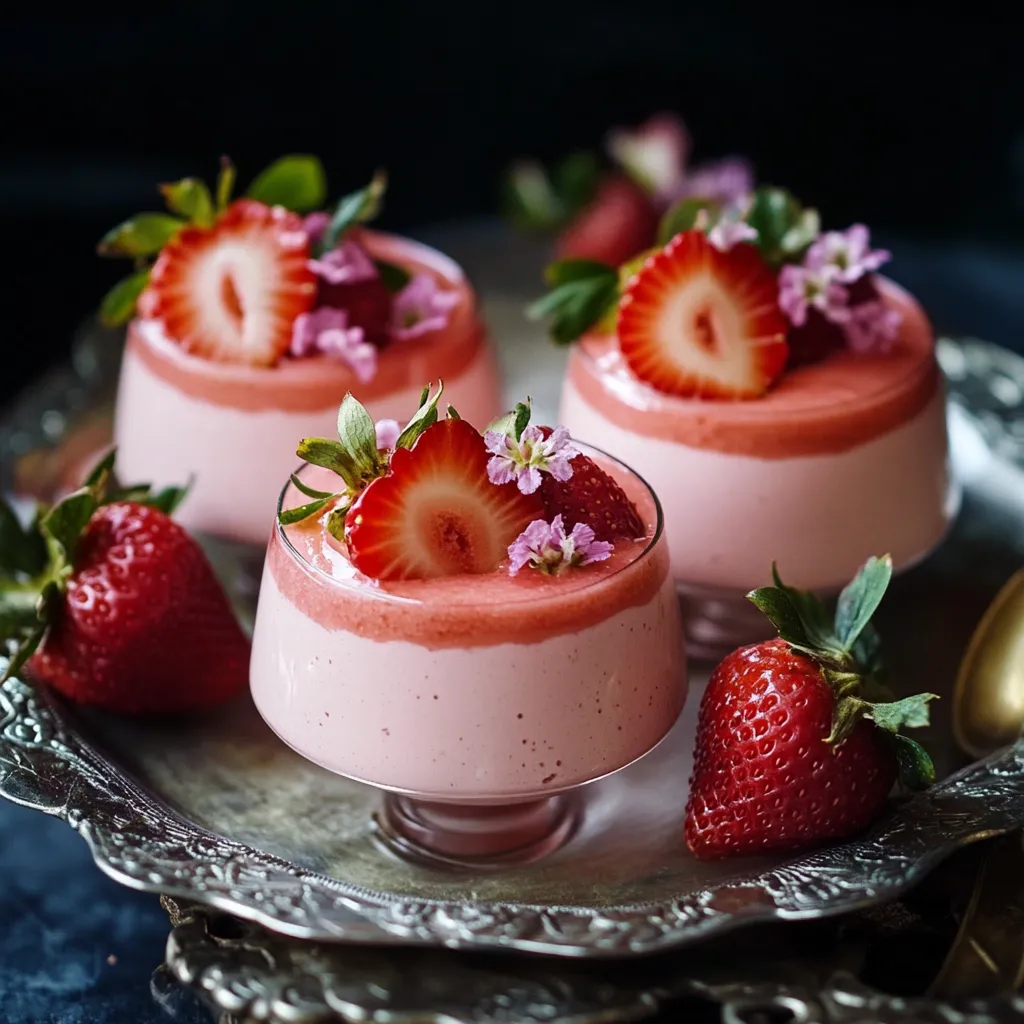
524,460
834,262
548,548
420,307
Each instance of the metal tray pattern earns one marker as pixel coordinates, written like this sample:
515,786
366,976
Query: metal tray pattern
209,811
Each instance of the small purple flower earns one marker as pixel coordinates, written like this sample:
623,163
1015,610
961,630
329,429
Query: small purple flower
801,287
349,263
421,306
727,233
387,433
730,180
524,460
547,547
872,327
326,330
315,224
849,252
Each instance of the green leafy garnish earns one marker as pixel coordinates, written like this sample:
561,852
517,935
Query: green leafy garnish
355,208
395,278
191,199
785,229
538,201
142,235
685,215
424,417
297,182
847,652
118,305
583,292
225,183
515,422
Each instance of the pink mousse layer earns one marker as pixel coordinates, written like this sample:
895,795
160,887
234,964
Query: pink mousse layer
472,688
235,428
844,472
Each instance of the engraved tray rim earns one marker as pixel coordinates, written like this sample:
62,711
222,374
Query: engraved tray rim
45,764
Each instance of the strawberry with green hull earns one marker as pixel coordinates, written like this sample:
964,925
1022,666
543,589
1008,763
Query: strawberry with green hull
114,605
249,319
797,740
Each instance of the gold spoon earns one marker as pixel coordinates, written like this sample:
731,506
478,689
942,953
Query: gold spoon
988,703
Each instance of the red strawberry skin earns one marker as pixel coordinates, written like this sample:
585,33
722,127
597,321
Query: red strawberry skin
819,338
617,223
591,496
763,777
145,628
368,304
231,293
435,512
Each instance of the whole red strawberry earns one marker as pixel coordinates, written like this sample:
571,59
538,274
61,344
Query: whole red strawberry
793,748
617,223
132,618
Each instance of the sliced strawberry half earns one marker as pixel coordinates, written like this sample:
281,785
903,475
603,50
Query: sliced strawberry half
231,293
436,513
698,322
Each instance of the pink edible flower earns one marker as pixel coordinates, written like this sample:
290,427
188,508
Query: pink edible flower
727,233
387,433
654,154
421,306
801,287
326,330
315,224
347,264
729,180
524,460
849,252
872,327
547,547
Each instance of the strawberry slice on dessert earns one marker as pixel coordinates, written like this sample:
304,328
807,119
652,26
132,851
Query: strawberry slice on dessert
232,292
435,513
699,322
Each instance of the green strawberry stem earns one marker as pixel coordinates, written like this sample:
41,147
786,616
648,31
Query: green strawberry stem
354,457
35,562
846,650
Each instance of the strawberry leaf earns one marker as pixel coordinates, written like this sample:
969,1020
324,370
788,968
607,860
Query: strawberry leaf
190,198
684,216
336,521
225,183
28,642
309,492
584,293
395,278
168,499
142,235
100,473
424,418
332,455
908,713
915,766
529,198
784,228
296,182
118,305
355,208
295,515
22,551
576,179
775,603
860,599
67,519
359,437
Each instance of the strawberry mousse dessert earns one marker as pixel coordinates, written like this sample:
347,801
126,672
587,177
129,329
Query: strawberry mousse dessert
782,398
477,624
248,323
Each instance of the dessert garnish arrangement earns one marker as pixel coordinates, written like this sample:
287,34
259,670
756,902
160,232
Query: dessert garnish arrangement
271,275
438,498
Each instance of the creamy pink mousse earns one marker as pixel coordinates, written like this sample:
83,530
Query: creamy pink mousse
840,460
235,428
476,688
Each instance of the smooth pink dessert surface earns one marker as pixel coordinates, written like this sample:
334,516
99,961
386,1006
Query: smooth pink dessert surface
234,428
483,688
842,460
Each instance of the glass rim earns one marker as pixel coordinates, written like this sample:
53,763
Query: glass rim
281,535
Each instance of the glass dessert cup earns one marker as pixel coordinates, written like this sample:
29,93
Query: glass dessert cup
478,704
233,428
843,459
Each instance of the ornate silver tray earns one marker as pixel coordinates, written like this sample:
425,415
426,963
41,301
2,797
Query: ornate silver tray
220,813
